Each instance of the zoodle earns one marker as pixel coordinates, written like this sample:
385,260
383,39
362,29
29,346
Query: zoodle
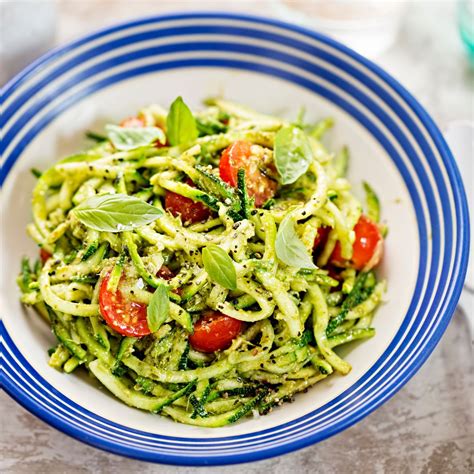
204,266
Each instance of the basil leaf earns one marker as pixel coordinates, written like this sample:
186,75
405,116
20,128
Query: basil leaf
180,124
115,213
289,248
158,309
219,266
134,137
293,153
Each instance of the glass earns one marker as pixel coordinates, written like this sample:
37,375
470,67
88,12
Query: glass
466,26
368,26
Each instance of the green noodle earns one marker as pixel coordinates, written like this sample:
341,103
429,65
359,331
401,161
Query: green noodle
293,319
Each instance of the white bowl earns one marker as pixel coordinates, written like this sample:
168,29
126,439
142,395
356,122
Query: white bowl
275,68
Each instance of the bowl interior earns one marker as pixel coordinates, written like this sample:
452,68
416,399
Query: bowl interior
65,135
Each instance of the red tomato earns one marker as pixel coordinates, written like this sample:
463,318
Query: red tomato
238,155
214,332
44,255
189,210
137,122
126,317
132,122
367,246
321,237
165,273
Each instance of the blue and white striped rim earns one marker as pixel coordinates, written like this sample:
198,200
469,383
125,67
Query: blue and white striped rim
66,75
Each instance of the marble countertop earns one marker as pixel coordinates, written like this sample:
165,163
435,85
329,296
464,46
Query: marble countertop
428,426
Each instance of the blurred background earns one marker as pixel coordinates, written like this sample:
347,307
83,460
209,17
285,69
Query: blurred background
429,47
414,40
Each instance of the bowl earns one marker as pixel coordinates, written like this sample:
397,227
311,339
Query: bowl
276,68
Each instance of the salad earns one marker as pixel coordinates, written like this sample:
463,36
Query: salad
204,266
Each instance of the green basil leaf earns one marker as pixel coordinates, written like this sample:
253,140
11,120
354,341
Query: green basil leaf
289,248
134,137
180,124
219,266
293,153
158,309
115,213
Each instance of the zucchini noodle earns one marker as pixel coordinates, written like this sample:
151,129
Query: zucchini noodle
291,318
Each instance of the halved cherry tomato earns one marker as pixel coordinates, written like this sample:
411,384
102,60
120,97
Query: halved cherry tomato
165,273
137,122
126,317
44,255
238,155
367,246
189,210
132,122
321,237
215,332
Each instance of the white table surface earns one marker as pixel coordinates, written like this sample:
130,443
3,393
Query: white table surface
428,426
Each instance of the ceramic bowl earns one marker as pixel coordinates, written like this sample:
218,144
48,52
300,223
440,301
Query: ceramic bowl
276,68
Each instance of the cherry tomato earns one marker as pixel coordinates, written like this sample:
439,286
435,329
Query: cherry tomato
126,317
132,122
367,246
238,155
137,122
165,273
321,237
44,255
215,332
189,210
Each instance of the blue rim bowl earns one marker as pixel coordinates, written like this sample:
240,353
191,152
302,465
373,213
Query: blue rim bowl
440,207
